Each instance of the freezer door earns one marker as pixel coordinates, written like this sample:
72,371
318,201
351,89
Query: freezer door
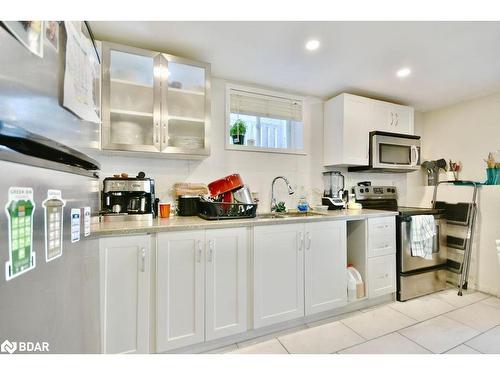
57,301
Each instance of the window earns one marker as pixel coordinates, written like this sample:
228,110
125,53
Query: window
263,121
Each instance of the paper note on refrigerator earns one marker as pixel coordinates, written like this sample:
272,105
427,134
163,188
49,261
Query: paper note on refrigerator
20,208
81,75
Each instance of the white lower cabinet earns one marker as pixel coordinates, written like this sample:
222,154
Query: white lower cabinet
180,289
325,266
226,282
278,273
125,275
381,275
201,286
299,269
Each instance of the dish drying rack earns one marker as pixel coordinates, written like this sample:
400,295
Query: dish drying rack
460,214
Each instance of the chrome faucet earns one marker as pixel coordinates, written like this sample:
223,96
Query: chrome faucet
273,198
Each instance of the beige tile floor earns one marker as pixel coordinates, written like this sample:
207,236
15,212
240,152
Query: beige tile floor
439,323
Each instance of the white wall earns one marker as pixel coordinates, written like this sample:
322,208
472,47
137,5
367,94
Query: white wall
256,168
467,132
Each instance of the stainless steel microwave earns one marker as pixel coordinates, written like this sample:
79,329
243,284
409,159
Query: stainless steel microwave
392,152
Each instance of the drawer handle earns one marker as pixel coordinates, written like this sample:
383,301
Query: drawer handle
386,246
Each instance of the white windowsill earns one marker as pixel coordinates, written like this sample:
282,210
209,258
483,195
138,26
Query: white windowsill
232,147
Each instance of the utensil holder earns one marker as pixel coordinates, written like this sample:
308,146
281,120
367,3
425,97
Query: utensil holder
492,176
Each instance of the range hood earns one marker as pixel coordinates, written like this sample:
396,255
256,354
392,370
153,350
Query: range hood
391,153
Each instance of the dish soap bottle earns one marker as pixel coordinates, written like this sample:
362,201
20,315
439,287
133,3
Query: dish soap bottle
302,205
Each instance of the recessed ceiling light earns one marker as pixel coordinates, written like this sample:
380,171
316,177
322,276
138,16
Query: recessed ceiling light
312,45
404,72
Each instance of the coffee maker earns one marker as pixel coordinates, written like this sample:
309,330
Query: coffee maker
334,190
130,198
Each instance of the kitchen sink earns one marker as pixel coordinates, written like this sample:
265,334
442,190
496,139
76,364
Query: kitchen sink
283,215
301,214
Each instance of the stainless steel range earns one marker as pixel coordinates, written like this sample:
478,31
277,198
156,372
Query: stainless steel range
416,276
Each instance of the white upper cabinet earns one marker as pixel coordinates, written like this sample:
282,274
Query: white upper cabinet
348,120
392,117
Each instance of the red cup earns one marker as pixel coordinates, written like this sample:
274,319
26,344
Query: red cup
164,210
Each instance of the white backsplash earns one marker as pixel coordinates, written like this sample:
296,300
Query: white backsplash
256,168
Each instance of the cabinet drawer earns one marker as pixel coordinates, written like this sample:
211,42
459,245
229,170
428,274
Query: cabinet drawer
381,275
381,236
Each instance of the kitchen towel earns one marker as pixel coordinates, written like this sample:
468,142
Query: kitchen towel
423,230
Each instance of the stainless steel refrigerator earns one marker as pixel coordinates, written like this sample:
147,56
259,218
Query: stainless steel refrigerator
44,147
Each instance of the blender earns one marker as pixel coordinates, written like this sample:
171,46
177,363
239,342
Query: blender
334,190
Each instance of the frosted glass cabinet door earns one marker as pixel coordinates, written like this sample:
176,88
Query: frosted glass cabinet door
131,98
187,106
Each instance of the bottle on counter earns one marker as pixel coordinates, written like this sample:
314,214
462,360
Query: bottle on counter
302,204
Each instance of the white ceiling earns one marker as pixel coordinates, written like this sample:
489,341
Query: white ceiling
450,61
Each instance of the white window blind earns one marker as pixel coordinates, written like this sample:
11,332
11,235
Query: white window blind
272,121
255,104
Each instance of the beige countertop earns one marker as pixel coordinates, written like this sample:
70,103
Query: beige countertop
177,223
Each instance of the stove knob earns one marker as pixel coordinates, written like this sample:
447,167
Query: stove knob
367,190
388,190
394,191
361,191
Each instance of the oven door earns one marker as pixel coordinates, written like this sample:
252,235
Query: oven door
395,152
439,253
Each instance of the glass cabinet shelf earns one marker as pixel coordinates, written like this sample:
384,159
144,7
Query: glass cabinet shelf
182,91
133,113
189,119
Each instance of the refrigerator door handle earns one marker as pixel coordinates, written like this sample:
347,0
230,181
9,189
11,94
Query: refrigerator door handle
49,154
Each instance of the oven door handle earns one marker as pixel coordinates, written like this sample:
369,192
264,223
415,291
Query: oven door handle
414,156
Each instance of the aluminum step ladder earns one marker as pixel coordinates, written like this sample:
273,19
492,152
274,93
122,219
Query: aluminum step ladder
462,268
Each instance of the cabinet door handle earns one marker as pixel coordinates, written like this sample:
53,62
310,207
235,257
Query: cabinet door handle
143,260
386,246
164,134
392,118
157,130
301,241
211,247
308,241
198,259
397,119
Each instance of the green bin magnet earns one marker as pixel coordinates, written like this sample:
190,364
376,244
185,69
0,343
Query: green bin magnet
20,209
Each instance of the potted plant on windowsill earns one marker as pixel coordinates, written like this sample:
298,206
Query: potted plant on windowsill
238,131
